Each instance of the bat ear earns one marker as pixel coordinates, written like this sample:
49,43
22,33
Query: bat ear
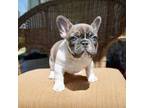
64,25
96,23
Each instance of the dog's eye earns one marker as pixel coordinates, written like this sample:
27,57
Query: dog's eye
73,38
94,38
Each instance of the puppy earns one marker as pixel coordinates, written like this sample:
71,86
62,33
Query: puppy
75,51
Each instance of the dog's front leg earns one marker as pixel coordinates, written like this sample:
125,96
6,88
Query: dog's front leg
59,78
90,74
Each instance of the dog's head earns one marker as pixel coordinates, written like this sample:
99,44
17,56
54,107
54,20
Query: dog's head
81,38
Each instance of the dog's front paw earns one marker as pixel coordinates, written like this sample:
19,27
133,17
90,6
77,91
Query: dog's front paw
92,78
51,75
58,87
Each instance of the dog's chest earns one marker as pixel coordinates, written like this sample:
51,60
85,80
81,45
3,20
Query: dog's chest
73,66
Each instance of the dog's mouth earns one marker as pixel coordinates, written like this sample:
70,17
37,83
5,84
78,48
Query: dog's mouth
90,54
85,52
78,55
80,50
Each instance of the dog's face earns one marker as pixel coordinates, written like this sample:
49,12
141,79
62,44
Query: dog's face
81,38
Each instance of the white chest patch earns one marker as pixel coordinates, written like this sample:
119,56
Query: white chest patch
73,66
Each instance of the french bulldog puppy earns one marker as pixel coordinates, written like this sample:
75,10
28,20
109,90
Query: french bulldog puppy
73,53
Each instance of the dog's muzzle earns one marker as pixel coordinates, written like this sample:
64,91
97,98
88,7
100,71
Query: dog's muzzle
84,43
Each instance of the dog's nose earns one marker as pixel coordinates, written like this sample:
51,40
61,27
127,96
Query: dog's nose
84,42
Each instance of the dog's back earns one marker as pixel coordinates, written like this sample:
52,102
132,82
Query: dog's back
54,50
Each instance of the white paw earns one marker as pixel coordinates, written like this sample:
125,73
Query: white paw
92,78
58,87
51,75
